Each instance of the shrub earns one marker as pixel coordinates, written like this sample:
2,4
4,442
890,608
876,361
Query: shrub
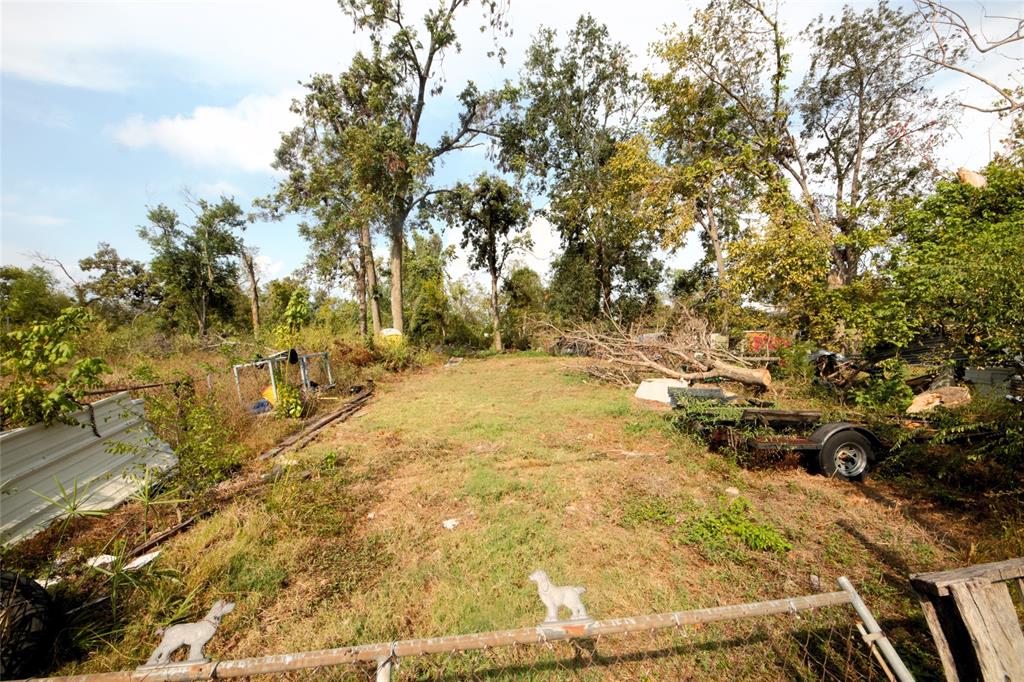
887,390
715,532
38,389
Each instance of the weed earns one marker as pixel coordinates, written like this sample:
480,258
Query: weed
250,572
486,485
716,531
648,510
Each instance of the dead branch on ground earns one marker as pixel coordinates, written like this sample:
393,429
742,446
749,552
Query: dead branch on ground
683,351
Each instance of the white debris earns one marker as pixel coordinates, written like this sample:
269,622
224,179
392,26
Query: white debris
732,491
371,516
657,389
138,562
450,524
48,582
100,561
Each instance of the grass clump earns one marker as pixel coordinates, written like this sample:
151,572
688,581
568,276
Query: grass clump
718,531
487,485
648,510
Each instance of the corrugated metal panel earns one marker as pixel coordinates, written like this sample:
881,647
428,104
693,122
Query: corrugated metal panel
35,458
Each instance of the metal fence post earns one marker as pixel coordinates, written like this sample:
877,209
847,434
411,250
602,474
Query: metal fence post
875,635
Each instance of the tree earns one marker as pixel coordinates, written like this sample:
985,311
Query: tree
492,215
394,164
574,133
712,165
524,298
248,255
30,295
195,263
122,289
39,390
955,39
856,133
428,298
338,169
957,271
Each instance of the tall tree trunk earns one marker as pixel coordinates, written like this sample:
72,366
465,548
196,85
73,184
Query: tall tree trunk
254,297
397,229
358,267
366,248
716,241
495,314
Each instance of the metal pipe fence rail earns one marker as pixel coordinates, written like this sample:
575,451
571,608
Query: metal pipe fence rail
386,654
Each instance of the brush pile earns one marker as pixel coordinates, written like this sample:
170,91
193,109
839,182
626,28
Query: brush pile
685,350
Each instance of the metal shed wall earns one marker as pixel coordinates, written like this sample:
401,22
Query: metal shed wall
35,458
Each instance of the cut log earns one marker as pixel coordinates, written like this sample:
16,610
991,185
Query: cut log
751,376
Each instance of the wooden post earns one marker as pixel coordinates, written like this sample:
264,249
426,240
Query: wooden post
973,620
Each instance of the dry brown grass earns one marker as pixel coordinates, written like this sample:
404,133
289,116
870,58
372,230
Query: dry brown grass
539,467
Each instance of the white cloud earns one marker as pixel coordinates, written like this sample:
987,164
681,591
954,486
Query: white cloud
115,45
243,136
218,188
267,267
32,220
546,247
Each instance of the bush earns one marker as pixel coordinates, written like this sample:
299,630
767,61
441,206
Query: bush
38,389
715,531
886,391
193,426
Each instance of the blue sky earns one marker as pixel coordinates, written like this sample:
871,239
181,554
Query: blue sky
108,108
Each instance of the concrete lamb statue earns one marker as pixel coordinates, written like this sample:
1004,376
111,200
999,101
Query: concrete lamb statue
555,597
193,635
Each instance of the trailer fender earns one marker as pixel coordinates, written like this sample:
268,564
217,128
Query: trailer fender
826,431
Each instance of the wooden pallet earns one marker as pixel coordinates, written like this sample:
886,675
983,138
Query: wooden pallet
973,619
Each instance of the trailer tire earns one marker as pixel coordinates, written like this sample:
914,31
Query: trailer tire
846,455
26,626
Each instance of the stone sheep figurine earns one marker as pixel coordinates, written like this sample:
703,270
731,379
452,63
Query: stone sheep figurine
555,597
193,635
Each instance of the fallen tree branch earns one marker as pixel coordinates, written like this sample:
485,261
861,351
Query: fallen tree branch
686,350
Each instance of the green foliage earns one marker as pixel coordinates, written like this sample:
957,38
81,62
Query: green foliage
195,264
577,136
296,315
524,298
887,389
717,531
958,268
39,389
122,289
492,215
425,289
28,296
648,510
195,428
289,400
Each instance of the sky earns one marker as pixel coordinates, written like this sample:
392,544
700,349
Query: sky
112,107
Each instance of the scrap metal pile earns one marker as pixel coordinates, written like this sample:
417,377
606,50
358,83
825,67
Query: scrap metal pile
686,350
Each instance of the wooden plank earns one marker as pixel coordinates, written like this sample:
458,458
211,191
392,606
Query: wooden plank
770,416
1004,621
931,617
999,650
938,582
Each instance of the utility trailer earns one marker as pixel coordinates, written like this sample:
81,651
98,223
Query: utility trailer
842,450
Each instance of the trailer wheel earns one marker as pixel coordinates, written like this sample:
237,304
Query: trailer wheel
26,626
846,455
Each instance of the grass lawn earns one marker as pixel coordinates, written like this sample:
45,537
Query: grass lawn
543,469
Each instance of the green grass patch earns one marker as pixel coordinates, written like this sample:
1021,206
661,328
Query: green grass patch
487,485
648,510
718,532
